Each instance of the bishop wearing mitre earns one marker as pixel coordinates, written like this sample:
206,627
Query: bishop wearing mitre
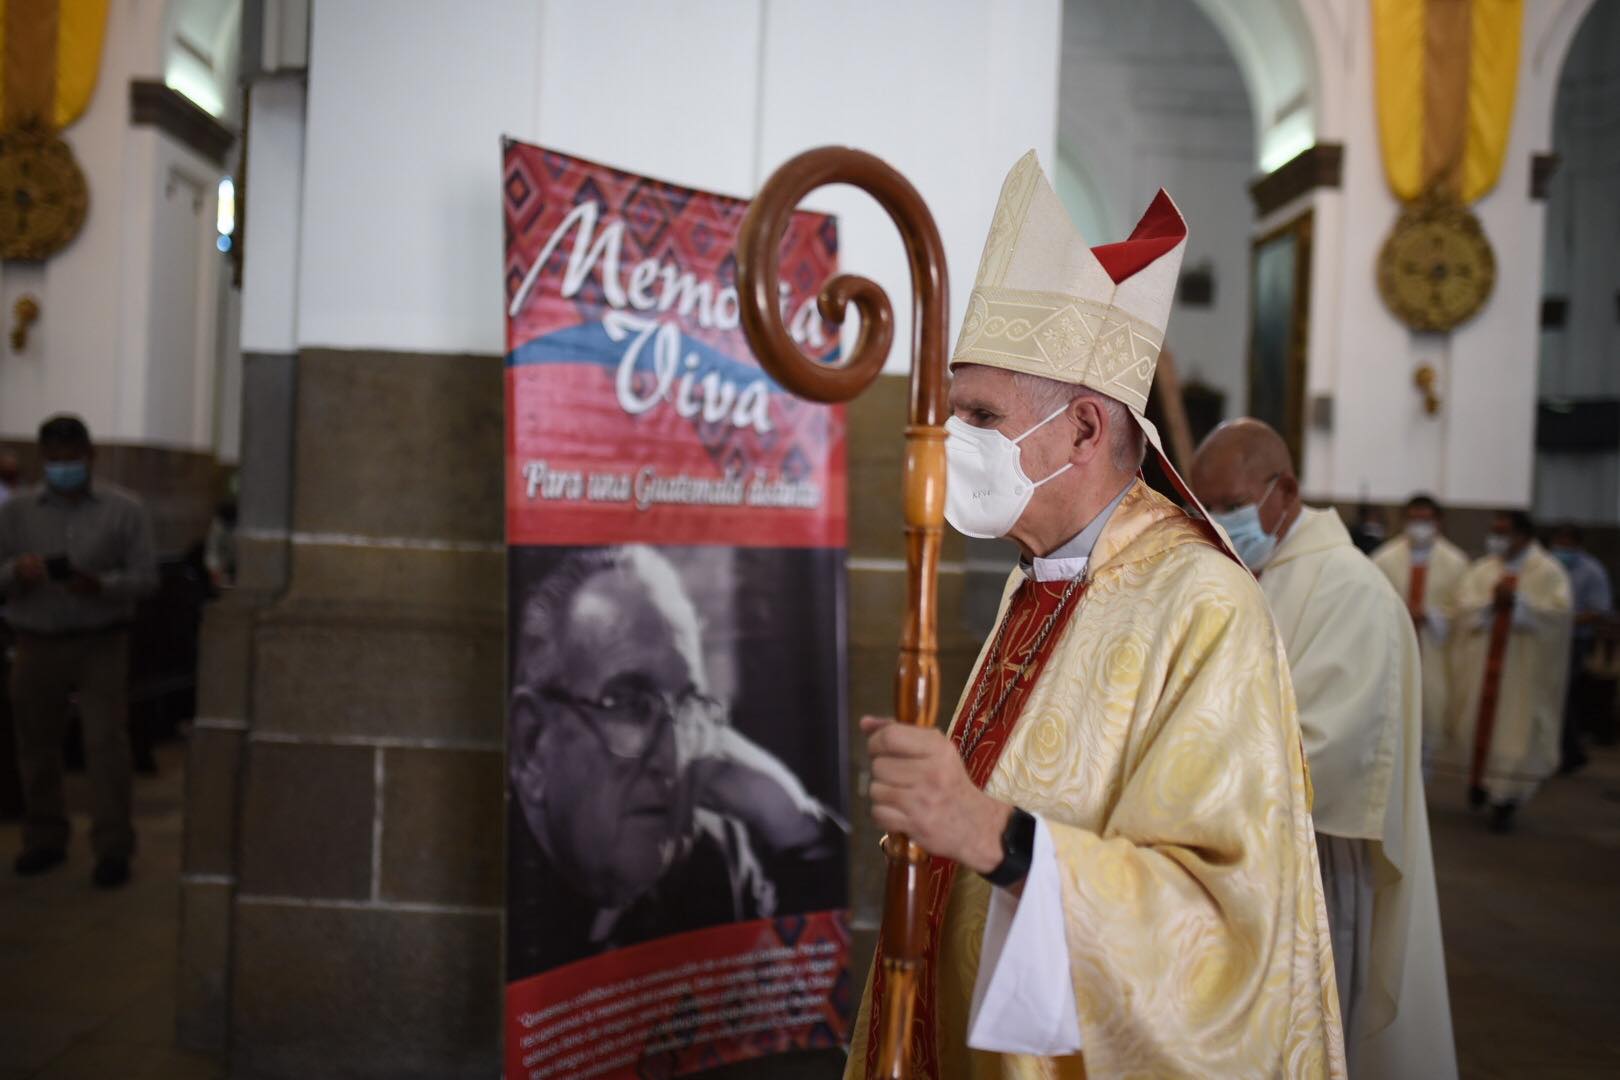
1123,876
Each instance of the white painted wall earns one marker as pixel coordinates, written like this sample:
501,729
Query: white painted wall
201,56
73,357
1151,96
949,93
401,226
665,89
1271,42
127,336
1479,449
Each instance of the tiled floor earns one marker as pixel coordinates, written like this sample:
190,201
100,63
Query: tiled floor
1532,928
87,977
1532,925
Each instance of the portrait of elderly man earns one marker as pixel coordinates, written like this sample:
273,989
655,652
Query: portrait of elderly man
637,809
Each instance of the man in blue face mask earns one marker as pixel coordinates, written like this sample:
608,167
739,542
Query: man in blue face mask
1247,484
1353,655
74,558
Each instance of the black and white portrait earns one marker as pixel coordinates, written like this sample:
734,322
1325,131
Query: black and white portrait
674,744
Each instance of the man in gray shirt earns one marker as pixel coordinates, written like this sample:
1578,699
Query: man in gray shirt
74,559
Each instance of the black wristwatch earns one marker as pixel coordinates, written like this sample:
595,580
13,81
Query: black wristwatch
1017,850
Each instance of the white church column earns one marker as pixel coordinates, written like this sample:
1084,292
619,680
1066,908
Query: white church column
1478,450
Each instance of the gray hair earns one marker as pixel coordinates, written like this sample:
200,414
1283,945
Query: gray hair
546,607
1127,444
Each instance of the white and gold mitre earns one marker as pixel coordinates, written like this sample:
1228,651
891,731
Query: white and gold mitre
1046,303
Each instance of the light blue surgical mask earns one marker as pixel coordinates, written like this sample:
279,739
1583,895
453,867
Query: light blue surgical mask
1249,538
1568,556
67,476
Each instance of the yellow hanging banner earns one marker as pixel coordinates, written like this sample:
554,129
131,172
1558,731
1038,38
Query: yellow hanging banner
1445,76
50,56
1493,74
1398,86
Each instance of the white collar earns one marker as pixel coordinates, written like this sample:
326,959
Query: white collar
1070,560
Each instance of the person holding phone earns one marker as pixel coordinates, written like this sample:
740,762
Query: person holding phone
74,559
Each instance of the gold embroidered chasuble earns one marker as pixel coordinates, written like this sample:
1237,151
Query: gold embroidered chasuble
1520,749
1161,747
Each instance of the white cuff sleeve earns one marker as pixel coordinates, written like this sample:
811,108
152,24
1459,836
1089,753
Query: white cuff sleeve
1023,1001
1439,627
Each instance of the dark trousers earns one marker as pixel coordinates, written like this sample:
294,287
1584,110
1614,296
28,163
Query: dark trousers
11,801
1569,743
44,674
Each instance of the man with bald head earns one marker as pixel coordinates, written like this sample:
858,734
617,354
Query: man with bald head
1355,665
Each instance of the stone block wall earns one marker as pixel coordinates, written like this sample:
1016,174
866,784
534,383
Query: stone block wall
342,896
367,908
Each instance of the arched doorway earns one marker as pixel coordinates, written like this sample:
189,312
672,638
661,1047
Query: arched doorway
1200,98
1577,469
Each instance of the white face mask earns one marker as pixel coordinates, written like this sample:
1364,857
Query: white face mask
1496,544
986,490
1421,533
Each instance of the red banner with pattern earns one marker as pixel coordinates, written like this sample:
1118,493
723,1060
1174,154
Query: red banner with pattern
677,890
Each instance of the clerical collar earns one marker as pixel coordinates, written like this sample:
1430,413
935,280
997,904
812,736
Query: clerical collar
1069,561
1419,555
1282,537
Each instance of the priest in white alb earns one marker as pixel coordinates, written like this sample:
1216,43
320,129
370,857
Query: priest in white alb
1426,569
1512,621
1354,659
1123,875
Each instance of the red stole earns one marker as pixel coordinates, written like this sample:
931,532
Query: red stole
1414,590
1026,613
1501,625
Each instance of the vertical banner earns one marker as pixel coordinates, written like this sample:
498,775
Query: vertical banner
676,834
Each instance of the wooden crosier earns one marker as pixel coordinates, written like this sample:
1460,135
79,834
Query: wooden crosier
916,689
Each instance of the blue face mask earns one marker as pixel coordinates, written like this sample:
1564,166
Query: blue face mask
67,476
1568,556
1249,538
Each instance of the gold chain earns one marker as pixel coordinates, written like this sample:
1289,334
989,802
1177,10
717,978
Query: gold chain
968,746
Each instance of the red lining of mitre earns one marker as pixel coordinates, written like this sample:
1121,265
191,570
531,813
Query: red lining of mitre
1161,228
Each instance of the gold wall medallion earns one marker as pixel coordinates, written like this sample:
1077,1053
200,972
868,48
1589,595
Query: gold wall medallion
1436,269
43,195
